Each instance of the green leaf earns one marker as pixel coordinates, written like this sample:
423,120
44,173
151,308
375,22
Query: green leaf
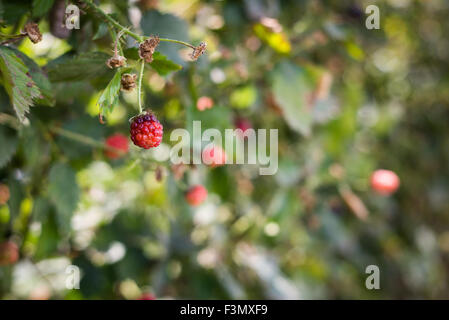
290,89
15,10
102,30
8,146
41,7
83,67
85,125
218,117
48,241
19,85
154,22
40,78
162,65
131,53
64,194
110,94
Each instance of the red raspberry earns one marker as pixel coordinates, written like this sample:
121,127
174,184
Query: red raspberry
214,156
243,124
384,182
117,141
146,131
9,253
196,195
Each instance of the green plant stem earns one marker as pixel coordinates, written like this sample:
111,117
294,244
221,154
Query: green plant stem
83,139
116,38
139,87
178,41
112,20
134,35
11,36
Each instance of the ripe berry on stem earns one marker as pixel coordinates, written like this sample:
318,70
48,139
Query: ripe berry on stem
384,182
196,195
146,131
117,141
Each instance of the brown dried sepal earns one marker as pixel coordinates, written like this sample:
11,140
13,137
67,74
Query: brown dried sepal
128,81
198,51
147,48
116,61
31,29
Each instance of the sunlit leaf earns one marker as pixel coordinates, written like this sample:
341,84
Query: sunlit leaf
277,40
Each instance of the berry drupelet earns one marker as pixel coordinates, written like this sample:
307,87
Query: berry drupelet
146,131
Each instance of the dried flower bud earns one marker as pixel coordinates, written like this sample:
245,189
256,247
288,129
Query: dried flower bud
31,29
147,48
198,51
128,81
116,61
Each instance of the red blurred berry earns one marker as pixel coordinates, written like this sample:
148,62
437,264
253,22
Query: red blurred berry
214,156
119,142
196,195
4,194
384,182
243,124
146,296
146,131
204,103
9,253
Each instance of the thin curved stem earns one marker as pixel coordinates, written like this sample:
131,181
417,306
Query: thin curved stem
178,41
11,36
83,139
112,20
139,87
137,37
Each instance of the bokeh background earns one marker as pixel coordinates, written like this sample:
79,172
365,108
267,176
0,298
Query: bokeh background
346,100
